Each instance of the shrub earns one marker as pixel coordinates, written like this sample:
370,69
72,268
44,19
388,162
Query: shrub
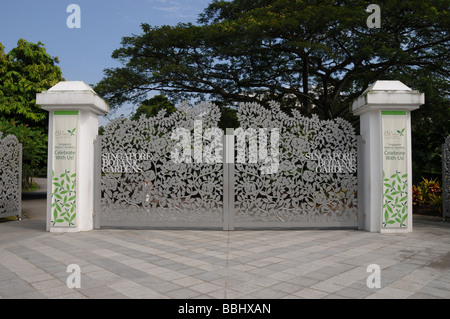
427,193
34,148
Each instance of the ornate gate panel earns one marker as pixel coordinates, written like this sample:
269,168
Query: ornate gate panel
315,184
141,186
10,176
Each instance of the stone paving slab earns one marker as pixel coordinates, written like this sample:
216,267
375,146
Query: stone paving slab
185,264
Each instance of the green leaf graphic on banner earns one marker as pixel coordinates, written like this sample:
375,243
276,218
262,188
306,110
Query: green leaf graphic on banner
395,199
72,132
64,211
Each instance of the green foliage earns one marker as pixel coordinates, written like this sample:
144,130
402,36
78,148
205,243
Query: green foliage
430,124
151,107
428,192
228,118
26,70
316,56
436,201
34,148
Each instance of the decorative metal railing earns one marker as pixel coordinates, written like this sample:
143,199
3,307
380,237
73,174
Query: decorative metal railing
10,176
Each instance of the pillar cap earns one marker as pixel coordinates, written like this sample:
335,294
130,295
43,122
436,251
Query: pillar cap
72,95
388,95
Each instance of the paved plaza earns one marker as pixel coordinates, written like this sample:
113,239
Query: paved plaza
185,264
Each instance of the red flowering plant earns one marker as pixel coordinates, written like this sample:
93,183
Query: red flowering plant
427,194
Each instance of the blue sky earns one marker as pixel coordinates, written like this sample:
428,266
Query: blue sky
85,52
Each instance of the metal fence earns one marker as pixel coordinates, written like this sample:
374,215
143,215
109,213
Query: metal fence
140,185
446,178
10,176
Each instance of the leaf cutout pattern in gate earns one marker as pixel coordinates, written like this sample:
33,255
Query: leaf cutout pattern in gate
296,193
10,179
164,191
191,193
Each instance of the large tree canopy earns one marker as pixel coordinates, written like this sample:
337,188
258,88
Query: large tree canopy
313,55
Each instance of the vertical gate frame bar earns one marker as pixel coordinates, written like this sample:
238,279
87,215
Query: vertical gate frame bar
360,181
445,182
97,180
231,197
226,194
229,163
19,191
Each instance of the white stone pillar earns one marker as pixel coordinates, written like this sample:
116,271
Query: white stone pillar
74,109
385,125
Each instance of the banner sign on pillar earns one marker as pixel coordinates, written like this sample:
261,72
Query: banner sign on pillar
63,209
395,189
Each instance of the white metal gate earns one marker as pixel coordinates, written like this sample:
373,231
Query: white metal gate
139,185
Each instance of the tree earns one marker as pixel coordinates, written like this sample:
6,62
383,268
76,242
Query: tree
430,125
26,70
316,56
152,106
